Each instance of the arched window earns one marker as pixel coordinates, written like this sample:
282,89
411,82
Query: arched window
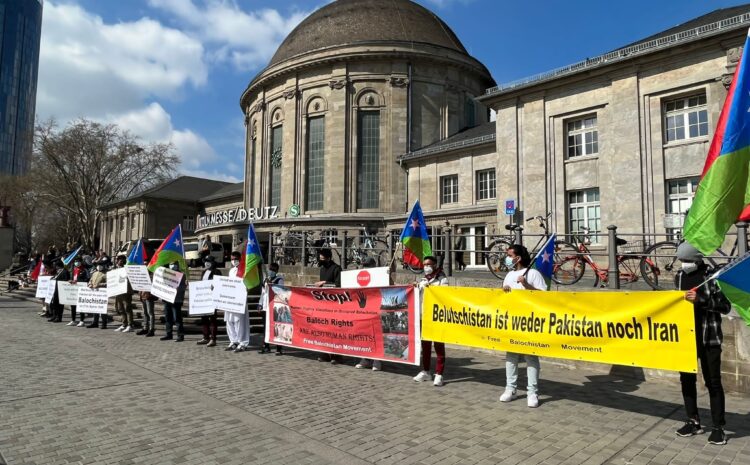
368,159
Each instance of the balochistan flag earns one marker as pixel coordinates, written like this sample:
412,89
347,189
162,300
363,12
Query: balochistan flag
723,194
137,254
170,251
414,238
544,260
734,283
66,260
253,260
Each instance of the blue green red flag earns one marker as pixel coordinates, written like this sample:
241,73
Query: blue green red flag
414,237
544,260
138,254
734,282
253,259
170,251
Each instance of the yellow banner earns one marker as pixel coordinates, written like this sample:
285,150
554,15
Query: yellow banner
644,329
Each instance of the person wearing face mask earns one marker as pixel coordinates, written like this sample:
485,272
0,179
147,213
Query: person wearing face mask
124,302
61,274
273,278
521,277
238,324
148,301
433,276
330,276
80,275
708,305
98,280
208,322
173,311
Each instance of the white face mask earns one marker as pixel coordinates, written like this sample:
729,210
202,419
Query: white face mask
428,269
510,262
235,262
688,267
100,268
207,265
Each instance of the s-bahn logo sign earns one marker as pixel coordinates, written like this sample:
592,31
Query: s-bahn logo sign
237,215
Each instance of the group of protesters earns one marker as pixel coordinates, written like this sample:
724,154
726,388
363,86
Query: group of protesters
708,302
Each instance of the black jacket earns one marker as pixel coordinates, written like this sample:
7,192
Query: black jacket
331,274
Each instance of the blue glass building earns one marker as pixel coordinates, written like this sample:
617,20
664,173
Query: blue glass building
20,32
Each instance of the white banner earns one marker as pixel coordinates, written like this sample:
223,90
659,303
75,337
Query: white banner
165,284
42,284
367,277
117,282
92,300
50,291
68,292
201,298
230,294
138,277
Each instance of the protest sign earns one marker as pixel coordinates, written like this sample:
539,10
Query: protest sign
138,277
230,294
117,282
51,287
68,292
368,277
375,323
201,298
165,284
41,286
644,329
92,300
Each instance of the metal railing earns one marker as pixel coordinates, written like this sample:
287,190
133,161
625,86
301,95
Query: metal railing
447,147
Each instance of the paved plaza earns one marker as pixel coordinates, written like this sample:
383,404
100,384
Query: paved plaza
84,396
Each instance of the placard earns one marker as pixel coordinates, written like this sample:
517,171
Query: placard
201,298
50,291
165,284
138,277
92,300
41,286
367,277
230,294
68,293
117,282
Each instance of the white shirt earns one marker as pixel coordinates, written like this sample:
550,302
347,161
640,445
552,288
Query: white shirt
534,278
233,272
206,275
264,294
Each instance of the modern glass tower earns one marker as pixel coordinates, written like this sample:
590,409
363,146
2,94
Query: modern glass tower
20,32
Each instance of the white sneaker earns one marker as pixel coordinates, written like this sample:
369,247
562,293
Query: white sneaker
127,329
508,395
364,363
376,366
438,380
422,376
81,324
72,323
120,329
532,400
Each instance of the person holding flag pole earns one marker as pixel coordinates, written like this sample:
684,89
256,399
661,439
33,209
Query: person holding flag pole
522,277
138,256
171,253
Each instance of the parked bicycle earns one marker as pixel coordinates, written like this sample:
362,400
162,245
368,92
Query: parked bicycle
359,249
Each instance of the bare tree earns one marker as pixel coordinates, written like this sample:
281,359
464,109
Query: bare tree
89,164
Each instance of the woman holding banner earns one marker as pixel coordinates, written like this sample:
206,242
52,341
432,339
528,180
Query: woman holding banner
433,276
521,277
208,322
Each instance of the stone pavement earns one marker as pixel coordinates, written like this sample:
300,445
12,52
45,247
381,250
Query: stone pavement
85,396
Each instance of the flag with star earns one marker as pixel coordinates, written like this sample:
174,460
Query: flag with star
414,238
138,254
723,194
170,251
253,260
544,260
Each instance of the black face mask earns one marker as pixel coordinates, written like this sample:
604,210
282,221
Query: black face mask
324,263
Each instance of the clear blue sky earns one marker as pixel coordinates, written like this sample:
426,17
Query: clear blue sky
174,69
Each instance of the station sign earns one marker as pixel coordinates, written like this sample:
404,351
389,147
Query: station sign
237,215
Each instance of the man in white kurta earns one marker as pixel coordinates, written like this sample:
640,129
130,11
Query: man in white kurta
238,324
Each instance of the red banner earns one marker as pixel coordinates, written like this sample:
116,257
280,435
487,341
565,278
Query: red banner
378,323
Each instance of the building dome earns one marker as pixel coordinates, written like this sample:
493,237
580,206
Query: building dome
348,22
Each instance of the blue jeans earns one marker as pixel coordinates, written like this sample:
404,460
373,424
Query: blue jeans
511,371
172,315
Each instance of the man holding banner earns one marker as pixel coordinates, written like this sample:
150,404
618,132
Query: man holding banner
238,324
433,276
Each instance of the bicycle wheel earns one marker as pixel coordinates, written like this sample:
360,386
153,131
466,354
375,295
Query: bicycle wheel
630,271
494,256
568,265
658,265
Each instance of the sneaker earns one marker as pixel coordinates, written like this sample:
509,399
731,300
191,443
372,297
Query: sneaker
127,329
376,365
120,329
211,343
92,325
690,428
717,437
364,363
168,337
231,346
279,352
150,333
202,342
422,376
508,395
239,349
438,380
81,324
72,323
532,400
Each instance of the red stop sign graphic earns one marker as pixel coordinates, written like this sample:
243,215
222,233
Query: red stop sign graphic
363,278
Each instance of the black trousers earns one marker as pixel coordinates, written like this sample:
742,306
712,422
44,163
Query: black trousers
209,326
710,358
96,320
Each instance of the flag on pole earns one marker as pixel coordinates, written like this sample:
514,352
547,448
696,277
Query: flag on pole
137,254
414,237
171,250
723,194
66,260
734,283
253,259
37,270
544,260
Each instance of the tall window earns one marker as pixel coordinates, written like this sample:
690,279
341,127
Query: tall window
252,170
686,118
583,137
448,189
188,223
486,184
368,159
276,152
470,113
680,193
316,139
585,212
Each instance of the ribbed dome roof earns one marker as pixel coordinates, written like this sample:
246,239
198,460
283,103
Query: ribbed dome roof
358,21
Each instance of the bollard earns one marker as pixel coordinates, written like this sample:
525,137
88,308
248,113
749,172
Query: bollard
518,234
741,238
447,233
343,251
304,249
614,271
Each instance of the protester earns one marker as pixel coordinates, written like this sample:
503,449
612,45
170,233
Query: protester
521,277
148,301
273,278
433,276
56,308
173,311
102,258
208,322
238,324
124,302
376,365
98,280
708,305
47,269
80,275
330,276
